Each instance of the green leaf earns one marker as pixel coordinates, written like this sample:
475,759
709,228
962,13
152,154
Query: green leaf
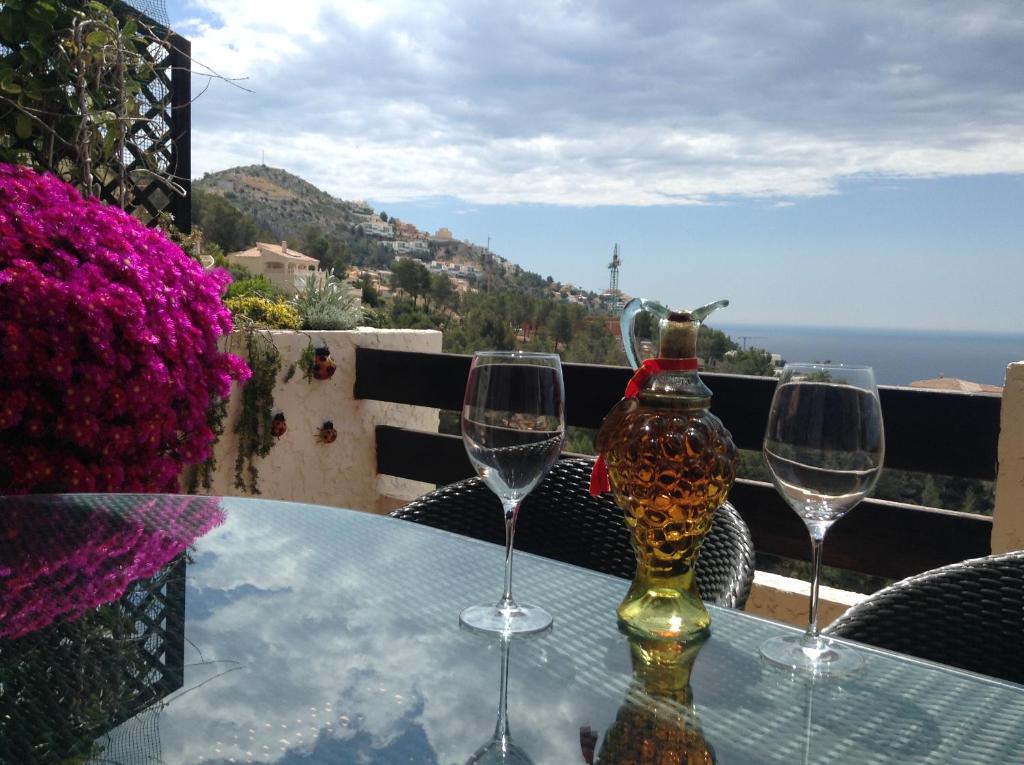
108,143
8,82
23,126
42,10
6,24
39,41
97,38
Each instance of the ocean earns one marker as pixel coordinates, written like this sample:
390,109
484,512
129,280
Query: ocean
898,356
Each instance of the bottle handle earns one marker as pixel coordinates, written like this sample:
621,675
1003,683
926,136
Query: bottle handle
641,342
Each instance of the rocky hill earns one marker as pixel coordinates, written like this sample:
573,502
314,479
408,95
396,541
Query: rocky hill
278,205
280,202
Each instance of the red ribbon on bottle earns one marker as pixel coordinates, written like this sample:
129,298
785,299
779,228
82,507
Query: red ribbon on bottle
599,483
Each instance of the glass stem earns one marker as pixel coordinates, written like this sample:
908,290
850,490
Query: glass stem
810,638
511,511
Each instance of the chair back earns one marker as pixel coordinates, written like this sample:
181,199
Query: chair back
560,519
968,615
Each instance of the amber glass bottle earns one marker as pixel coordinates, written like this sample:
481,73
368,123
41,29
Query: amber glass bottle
670,465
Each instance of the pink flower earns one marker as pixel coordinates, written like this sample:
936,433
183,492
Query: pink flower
108,345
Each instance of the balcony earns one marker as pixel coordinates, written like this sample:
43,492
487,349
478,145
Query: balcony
391,386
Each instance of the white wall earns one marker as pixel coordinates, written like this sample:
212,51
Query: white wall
1008,518
344,473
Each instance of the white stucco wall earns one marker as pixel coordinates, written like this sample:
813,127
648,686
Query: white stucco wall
344,473
1008,517
788,600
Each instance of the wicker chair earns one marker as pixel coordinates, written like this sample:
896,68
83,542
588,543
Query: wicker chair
560,519
968,615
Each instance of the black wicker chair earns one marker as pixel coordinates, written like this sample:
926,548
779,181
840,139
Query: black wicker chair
968,615
560,519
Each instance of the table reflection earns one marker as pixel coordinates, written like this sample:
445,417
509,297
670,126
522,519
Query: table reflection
96,585
657,722
501,748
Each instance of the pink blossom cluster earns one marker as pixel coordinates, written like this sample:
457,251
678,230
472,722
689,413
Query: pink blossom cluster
60,561
108,345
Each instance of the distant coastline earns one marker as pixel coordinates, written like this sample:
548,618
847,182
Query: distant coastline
898,356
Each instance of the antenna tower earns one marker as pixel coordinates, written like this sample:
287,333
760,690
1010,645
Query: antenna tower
613,281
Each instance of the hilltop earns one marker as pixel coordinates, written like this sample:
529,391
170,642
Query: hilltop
281,203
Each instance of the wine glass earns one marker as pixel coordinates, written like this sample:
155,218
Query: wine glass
513,426
824,447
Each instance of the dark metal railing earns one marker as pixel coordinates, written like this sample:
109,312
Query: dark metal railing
954,434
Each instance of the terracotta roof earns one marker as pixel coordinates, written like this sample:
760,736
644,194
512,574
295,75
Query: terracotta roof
954,383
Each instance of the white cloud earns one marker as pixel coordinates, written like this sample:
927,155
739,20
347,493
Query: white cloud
608,104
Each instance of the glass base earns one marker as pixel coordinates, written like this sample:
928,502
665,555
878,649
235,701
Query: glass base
821,658
521,620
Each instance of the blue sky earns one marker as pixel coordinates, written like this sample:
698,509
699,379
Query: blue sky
839,164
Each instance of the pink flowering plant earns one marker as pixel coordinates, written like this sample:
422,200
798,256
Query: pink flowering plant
108,345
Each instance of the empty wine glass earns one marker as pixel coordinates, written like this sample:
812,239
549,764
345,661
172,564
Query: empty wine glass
824,447
513,426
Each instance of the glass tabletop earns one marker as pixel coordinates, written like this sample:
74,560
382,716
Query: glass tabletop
201,630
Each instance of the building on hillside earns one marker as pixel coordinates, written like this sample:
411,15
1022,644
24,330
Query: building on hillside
408,231
283,267
374,226
442,235
408,245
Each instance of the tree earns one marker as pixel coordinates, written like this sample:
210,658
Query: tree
383,216
755,361
370,294
314,242
442,291
562,326
411,276
593,343
713,344
542,314
222,223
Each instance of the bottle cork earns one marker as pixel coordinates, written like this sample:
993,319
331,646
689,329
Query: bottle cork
679,336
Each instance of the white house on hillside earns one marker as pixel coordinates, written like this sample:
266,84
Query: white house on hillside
279,264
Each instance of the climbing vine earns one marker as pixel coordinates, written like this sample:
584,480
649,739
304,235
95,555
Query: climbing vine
202,474
255,419
303,363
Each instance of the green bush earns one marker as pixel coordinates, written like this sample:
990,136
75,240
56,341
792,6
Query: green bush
264,312
260,286
327,304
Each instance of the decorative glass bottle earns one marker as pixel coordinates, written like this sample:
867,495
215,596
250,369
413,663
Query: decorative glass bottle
657,722
670,464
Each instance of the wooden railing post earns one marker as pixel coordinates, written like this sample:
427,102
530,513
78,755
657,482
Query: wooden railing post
1008,517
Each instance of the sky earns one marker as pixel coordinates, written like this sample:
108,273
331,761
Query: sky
819,164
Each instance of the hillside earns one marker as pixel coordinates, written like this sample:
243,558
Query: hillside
282,203
277,205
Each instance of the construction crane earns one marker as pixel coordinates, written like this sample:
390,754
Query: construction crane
613,282
744,338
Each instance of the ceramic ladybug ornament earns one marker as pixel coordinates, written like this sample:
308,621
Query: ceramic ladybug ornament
278,426
323,365
327,434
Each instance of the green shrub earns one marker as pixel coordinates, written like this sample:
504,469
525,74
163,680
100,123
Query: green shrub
260,286
327,304
264,312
